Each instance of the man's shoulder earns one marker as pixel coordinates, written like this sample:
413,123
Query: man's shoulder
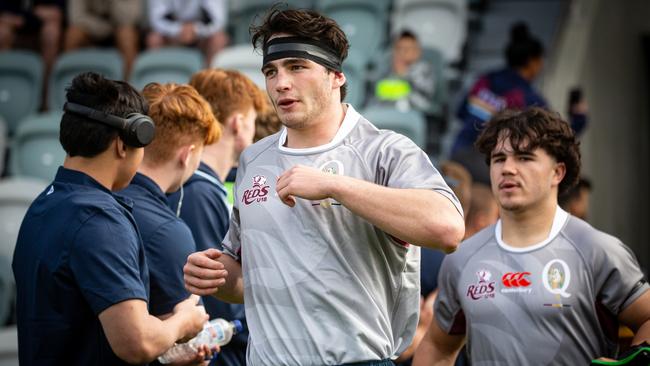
586,238
472,245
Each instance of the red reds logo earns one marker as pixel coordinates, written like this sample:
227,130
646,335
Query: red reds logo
259,191
484,289
515,279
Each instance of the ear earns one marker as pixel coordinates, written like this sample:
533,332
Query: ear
185,152
120,147
558,173
235,122
339,79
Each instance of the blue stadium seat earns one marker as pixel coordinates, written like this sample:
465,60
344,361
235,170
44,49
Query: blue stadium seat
243,58
16,194
166,65
107,62
365,22
439,24
36,151
410,123
21,80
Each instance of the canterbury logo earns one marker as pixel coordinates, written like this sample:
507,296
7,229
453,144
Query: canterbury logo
515,279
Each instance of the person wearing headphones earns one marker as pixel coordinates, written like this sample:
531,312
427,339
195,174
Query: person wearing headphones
184,124
81,275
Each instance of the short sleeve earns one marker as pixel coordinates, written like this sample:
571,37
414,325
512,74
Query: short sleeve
232,241
617,275
447,308
106,260
402,164
167,250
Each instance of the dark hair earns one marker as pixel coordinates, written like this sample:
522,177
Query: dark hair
532,128
81,136
407,34
302,23
522,46
574,192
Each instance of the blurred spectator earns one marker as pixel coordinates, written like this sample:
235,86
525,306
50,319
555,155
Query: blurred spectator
24,24
189,23
96,21
483,210
409,82
235,102
576,200
507,88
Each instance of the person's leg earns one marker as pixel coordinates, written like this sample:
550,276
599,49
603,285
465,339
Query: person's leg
50,39
75,37
126,38
8,24
212,45
154,40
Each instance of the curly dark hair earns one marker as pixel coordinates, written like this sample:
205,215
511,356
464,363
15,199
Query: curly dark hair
532,128
302,23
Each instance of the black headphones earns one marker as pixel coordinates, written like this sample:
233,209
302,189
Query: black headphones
137,130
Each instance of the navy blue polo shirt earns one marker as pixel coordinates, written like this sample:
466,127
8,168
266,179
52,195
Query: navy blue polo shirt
167,242
78,253
206,212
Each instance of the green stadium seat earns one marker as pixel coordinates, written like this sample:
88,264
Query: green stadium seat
166,65
21,80
36,151
107,62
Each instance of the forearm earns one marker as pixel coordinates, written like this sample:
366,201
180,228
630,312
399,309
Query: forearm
418,216
427,354
233,290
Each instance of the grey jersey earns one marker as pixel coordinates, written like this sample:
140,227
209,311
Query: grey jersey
322,285
554,303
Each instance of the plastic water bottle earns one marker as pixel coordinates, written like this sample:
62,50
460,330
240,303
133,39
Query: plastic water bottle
216,332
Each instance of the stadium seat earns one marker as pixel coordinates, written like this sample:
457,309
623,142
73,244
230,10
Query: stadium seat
243,13
244,59
166,65
21,80
439,24
365,22
107,62
410,123
355,70
16,194
36,151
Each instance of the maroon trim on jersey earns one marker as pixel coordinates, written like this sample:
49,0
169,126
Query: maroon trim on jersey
608,321
459,326
400,241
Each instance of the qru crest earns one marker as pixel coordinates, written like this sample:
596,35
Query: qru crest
556,277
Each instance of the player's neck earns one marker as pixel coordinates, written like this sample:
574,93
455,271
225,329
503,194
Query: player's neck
100,168
319,131
166,176
220,157
526,227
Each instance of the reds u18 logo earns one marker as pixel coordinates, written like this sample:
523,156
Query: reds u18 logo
259,191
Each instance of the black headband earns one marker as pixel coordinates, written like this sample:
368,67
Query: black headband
300,47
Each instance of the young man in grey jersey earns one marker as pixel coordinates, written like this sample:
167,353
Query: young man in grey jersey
540,287
318,244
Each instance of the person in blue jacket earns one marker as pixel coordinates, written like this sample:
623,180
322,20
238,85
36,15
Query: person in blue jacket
507,88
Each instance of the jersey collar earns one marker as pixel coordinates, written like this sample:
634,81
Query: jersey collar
349,122
559,220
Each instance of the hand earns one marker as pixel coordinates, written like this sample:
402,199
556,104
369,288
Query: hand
201,358
196,316
305,182
188,33
203,273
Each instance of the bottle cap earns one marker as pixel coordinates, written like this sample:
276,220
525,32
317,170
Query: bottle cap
239,327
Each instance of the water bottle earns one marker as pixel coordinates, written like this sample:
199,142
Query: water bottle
216,332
